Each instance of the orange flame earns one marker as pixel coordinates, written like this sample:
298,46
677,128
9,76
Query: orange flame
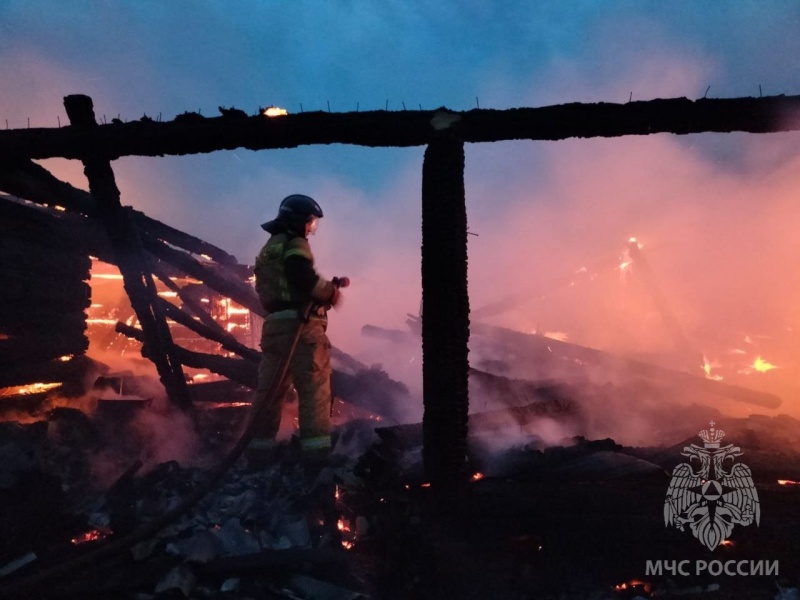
707,366
788,482
762,366
33,388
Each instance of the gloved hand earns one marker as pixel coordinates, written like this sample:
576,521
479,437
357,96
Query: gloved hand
341,282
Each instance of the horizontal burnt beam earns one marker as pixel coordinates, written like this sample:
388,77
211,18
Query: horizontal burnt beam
25,179
192,133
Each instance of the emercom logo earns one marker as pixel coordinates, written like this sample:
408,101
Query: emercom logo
708,498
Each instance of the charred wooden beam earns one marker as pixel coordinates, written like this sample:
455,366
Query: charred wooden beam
370,389
38,347
196,309
130,257
26,179
627,366
25,258
48,228
217,279
19,318
181,239
239,370
215,333
445,309
185,135
72,372
393,335
553,404
66,296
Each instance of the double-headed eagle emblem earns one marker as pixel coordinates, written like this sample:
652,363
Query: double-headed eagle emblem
711,500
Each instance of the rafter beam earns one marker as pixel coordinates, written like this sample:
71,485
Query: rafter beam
194,134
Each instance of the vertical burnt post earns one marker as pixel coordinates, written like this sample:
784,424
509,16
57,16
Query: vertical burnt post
445,305
131,259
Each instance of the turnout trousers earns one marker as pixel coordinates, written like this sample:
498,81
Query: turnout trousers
310,372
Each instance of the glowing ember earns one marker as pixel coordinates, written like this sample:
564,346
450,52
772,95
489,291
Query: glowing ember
106,276
274,111
477,476
728,543
347,545
763,366
707,366
34,388
634,584
65,358
557,335
788,482
91,536
218,405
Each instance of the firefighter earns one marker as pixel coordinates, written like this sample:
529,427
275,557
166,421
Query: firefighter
287,284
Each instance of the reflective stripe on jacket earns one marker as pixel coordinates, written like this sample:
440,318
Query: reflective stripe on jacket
281,287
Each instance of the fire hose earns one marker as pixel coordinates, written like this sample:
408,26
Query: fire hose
110,548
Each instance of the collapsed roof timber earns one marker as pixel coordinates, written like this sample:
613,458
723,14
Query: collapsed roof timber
445,329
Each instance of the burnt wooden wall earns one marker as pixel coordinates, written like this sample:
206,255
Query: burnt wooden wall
44,292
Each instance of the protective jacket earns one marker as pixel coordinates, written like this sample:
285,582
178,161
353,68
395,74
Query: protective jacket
286,282
285,275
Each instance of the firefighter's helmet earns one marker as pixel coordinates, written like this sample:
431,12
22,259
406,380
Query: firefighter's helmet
297,211
300,205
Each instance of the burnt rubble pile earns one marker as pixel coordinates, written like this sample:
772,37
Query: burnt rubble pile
574,519
281,519
533,514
